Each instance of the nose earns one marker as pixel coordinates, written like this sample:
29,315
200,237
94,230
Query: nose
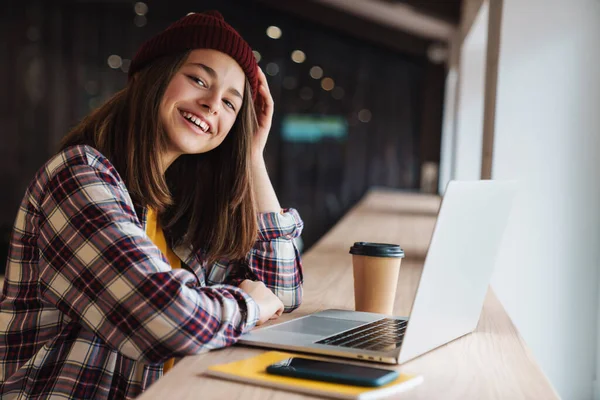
211,102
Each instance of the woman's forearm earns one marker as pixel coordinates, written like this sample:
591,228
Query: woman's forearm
264,194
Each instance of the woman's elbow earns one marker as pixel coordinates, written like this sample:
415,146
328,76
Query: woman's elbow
290,303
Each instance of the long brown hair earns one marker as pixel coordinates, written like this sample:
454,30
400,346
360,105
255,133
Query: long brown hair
204,200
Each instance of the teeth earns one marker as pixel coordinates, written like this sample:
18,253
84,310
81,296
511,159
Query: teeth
191,117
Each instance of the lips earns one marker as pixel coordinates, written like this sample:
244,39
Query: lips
197,121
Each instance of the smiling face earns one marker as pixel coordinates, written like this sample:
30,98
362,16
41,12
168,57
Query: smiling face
201,103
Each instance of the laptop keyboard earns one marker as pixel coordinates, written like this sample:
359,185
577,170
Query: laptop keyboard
382,335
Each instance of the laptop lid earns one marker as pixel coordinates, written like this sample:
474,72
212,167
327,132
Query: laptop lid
459,264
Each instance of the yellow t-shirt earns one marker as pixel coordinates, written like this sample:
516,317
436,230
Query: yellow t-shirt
155,233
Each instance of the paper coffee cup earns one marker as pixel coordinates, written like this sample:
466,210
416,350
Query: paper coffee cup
376,267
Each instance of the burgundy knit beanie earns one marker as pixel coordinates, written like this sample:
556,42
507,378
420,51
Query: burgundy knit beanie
207,30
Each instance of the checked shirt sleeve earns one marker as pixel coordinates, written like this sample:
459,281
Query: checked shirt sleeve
99,268
274,259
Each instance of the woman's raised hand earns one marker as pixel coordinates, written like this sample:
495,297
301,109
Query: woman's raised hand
264,114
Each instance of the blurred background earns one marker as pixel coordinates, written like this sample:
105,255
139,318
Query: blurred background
402,94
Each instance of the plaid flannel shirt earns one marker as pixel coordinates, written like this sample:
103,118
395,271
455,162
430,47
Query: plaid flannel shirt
91,308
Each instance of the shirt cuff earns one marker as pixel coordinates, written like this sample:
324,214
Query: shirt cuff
273,225
251,315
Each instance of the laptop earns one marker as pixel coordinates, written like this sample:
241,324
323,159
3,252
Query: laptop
455,278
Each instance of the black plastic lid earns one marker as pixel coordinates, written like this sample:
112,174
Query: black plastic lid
377,250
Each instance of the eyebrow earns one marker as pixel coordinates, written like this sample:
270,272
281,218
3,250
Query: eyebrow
213,74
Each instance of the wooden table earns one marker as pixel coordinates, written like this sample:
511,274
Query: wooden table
491,363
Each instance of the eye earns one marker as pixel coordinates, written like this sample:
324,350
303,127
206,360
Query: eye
229,104
197,80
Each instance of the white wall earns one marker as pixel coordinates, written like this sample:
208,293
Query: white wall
471,94
547,134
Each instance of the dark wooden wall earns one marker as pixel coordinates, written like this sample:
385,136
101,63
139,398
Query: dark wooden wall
53,71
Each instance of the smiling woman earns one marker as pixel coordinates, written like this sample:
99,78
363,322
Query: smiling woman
155,232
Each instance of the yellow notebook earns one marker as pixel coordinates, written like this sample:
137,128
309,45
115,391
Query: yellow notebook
253,371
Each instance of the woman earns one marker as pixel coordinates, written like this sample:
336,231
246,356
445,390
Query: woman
155,232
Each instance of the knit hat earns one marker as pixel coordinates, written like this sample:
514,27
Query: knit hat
207,30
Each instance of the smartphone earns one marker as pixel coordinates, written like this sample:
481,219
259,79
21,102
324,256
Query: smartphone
348,374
